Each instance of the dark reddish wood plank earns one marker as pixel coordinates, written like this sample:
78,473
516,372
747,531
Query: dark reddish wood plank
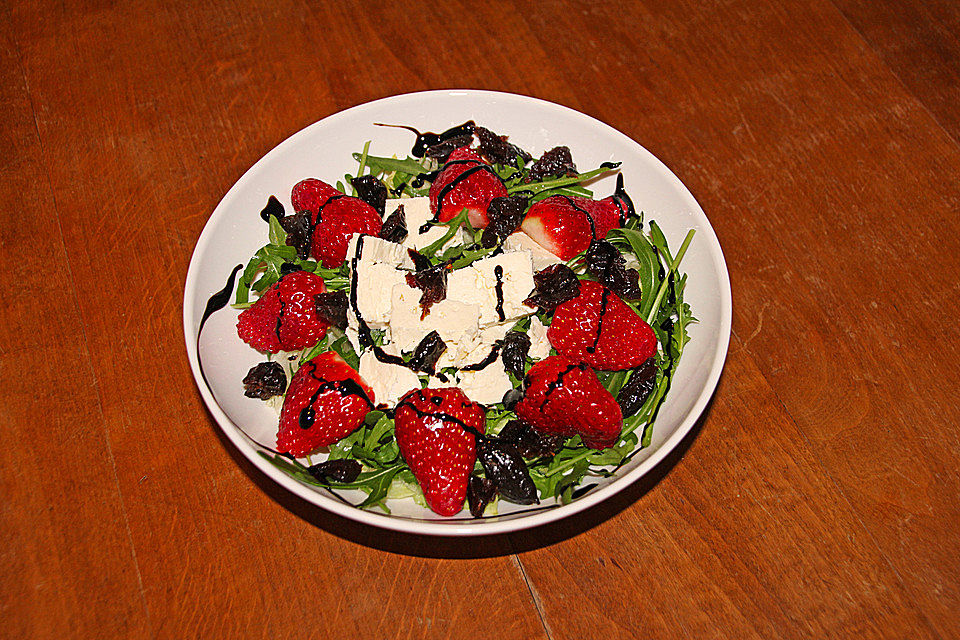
920,42
68,567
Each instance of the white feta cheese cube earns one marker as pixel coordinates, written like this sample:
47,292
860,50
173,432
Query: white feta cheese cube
388,381
379,251
520,241
417,213
478,283
375,282
458,324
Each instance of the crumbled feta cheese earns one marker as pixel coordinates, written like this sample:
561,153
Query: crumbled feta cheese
539,345
486,386
542,258
389,381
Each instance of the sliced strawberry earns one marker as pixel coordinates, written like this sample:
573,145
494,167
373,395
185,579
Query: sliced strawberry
326,401
436,431
564,225
599,328
285,318
334,217
564,397
465,182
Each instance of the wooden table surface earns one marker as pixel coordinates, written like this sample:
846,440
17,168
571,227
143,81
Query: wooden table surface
816,498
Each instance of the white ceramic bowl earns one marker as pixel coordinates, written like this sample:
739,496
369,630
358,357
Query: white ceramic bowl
323,150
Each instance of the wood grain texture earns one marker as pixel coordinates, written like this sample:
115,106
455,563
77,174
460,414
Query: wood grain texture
818,496
920,42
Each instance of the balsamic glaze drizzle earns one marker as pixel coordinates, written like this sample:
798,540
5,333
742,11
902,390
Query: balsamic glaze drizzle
216,302
345,388
427,139
593,226
439,415
603,311
483,364
558,383
498,272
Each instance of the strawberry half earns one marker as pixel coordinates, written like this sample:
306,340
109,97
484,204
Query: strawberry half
435,429
564,397
564,225
598,328
285,318
334,217
465,182
326,401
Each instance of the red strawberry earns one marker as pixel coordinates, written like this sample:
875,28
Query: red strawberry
326,401
435,430
564,397
564,225
335,217
598,328
311,194
339,219
285,317
465,182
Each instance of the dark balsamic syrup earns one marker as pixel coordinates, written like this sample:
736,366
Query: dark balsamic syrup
486,362
428,139
498,272
219,300
439,415
558,383
273,208
603,311
345,388
216,302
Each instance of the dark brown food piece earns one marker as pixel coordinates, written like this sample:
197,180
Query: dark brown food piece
497,150
633,394
432,281
427,353
264,381
503,464
332,308
299,232
480,491
372,191
553,286
528,441
394,228
506,215
555,163
607,265
516,344
340,471
273,208
442,150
